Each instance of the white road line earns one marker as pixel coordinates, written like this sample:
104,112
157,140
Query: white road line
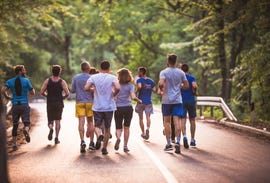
163,169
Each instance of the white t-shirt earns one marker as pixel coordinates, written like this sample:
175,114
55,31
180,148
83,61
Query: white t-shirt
173,79
103,95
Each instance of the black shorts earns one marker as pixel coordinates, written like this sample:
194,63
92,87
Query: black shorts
123,114
101,117
21,111
54,111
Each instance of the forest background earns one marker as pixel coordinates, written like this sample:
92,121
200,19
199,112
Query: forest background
226,43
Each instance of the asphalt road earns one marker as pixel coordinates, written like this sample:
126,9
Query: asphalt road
221,155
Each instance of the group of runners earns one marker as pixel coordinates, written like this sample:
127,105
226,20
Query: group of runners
100,96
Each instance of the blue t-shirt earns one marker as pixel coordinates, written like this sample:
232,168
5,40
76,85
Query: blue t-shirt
145,92
77,87
188,95
123,97
26,86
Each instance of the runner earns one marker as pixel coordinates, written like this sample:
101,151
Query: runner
105,87
145,87
52,88
84,102
170,81
124,110
189,104
19,86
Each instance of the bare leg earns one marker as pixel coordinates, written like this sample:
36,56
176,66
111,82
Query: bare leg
141,122
148,121
126,135
90,127
177,125
192,127
183,126
81,127
167,126
106,137
57,127
118,133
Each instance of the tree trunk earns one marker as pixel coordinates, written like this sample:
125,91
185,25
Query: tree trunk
67,52
221,51
3,151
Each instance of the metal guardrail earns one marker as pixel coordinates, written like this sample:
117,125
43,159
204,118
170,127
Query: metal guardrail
216,101
201,101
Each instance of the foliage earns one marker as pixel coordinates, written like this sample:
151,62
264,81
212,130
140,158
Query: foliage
225,42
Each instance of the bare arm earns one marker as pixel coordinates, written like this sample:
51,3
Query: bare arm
185,84
133,97
43,90
195,88
65,88
161,86
4,92
154,90
87,86
32,92
116,88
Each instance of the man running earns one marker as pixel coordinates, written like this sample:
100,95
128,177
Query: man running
189,105
84,102
52,88
170,81
105,87
145,87
19,86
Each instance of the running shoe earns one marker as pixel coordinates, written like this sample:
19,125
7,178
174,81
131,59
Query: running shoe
83,146
185,143
98,143
50,134
177,148
104,151
193,143
147,135
27,137
143,136
126,149
173,141
168,147
116,146
56,140
92,146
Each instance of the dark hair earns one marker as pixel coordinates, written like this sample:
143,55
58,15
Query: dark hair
93,70
85,65
171,58
105,65
18,68
56,69
185,67
124,76
142,69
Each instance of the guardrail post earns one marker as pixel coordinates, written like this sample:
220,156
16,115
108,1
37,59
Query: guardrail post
201,113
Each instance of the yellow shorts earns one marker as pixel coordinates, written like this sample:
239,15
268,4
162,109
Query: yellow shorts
84,109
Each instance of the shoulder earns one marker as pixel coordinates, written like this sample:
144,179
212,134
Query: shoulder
113,77
150,80
164,71
190,77
77,76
